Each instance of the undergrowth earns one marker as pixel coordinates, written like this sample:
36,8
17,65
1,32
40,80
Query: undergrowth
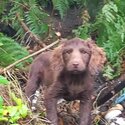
12,108
30,13
11,51
110,34
62,6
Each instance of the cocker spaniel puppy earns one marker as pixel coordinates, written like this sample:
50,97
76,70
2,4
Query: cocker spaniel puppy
68,72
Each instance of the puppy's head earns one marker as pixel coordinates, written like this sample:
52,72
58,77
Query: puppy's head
77,55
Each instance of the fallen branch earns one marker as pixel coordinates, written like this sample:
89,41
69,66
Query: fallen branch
95,102
32,35
112,90
38,52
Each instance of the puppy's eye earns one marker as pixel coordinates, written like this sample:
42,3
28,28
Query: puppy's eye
68,51
82,51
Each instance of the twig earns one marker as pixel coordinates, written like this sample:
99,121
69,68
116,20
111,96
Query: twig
32,35
94,103
97,109
39,51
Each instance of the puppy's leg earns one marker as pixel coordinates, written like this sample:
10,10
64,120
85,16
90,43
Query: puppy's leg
32,86
85,112
35,79
51,98
51,110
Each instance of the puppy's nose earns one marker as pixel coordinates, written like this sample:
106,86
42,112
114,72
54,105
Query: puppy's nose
75,64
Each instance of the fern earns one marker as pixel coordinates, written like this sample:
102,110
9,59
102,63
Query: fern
109,11
31,13
2,6
34,17
62,6
82,31
109,25
10,51
111,34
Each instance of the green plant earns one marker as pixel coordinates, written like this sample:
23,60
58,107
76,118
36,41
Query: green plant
10,51
30,13
2,6
3,80
109,27
82,31
63,5
12,113
94,7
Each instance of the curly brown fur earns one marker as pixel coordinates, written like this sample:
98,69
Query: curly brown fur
67,72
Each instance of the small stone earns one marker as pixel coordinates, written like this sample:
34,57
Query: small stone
111,114
33,108
117,107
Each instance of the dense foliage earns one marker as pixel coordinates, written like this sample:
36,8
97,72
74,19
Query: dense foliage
10,114
110,34
10,51
27,11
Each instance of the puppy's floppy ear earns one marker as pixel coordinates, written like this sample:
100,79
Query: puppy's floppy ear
57,62
97,59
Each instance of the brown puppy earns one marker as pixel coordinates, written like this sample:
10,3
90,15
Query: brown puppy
68,72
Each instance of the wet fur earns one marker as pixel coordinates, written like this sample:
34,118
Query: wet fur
68,72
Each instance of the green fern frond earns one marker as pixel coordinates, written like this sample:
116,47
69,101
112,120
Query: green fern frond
32,15
62,6
2,5
110,33
10,51
109,10
36,20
